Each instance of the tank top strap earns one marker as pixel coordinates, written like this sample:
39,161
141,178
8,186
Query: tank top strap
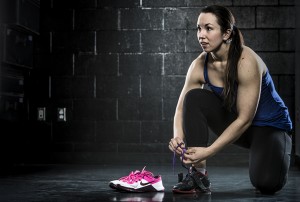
215,89
205,70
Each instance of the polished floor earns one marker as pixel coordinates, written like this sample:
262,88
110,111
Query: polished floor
51,183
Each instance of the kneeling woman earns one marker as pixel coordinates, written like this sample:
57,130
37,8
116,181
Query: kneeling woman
242,107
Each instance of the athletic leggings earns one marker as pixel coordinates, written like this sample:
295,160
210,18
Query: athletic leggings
270,148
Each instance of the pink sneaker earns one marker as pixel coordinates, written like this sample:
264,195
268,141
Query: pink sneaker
132,176
143,182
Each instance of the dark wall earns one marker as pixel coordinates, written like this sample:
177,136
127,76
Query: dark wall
297,86
19,27
118,67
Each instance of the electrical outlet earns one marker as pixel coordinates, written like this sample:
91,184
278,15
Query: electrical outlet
61,114
41,114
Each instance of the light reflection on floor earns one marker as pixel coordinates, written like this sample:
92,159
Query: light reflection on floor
90,183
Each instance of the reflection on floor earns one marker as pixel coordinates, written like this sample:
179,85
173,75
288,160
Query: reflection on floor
90,183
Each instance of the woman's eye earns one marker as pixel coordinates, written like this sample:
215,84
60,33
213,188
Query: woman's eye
209,28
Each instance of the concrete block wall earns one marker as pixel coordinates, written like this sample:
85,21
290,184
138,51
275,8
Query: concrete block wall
118,66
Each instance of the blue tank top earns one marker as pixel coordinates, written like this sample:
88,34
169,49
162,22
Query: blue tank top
271,110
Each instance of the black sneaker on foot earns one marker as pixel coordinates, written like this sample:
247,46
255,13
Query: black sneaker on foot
194,182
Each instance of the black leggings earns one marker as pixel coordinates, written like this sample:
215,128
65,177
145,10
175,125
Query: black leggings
270,148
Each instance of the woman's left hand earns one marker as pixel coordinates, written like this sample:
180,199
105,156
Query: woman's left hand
196,154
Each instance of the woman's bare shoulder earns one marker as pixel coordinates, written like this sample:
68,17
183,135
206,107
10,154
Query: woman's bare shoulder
196,69
250,58
250,66
199,61
248,54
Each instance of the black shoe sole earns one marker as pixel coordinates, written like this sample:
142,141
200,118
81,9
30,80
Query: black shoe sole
192,191
113,186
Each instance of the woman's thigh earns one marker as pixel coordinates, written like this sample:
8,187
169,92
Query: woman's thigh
203,109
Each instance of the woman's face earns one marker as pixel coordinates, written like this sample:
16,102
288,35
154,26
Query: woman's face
209,32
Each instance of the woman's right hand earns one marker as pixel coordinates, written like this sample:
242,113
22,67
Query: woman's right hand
176,145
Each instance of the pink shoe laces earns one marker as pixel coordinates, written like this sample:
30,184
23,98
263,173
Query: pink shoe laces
130,177
136,176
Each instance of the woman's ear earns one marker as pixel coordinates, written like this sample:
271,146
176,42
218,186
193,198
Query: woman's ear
227,34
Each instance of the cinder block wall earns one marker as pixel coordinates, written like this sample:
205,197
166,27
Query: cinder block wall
118,66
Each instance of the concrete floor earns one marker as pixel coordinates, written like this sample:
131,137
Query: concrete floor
50,183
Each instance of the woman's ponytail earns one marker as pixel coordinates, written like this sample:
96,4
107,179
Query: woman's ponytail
231,80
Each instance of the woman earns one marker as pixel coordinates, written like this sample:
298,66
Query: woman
242,107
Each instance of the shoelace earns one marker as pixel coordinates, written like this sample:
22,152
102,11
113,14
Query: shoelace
182,156
190,174
136,176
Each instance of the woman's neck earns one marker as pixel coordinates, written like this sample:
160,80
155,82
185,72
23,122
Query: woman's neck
221,54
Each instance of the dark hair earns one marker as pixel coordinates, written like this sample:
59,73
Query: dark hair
226,21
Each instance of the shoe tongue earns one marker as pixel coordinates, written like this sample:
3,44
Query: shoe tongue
192,169
145,172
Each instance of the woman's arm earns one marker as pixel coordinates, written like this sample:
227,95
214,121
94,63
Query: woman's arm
248,94
194,79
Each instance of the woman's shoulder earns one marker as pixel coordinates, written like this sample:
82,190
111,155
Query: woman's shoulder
248,53
250,59
198,63
195,72
200,60
250,62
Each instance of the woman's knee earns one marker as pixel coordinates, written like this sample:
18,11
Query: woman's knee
195,96
271,179
269,165
269,184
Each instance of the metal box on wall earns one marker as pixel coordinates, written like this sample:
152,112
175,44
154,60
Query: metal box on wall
24,13
18,47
